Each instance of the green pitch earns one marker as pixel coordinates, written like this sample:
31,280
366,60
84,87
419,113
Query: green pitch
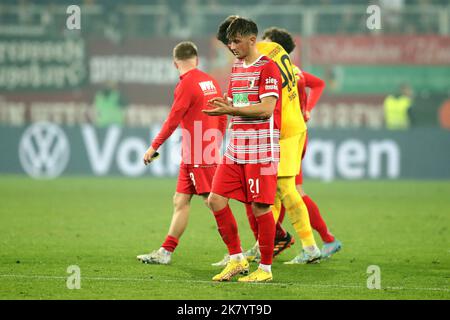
101,224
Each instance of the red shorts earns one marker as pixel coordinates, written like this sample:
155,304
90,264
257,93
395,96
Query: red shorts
195,179
299,177
246,182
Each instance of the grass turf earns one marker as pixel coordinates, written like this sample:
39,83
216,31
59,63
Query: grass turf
101,224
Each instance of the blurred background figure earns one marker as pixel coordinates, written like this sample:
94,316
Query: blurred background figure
109,105
397,108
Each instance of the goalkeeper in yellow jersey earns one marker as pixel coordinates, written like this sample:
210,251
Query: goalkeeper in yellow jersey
292,140
308,101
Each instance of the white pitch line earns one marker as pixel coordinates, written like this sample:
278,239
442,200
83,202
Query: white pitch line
215,283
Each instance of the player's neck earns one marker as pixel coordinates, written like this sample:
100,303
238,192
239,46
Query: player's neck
251,57
185,69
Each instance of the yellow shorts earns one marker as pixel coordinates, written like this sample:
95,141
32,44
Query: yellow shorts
291,150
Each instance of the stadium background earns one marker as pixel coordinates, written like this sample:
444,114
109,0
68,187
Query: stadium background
51,79
49,73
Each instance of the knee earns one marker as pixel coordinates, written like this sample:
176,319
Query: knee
286,186
215,202
205,198
260,208
211,202
282,186
180,201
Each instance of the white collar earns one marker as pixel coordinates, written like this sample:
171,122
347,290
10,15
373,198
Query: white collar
246,66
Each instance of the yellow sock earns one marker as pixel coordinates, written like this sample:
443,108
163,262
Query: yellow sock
296,210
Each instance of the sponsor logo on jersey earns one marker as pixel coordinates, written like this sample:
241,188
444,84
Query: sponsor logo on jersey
271,84
240,100
208,87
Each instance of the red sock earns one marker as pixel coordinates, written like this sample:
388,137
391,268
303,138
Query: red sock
316,220
280,233
266,234
228,230
282,213
170,243
251,219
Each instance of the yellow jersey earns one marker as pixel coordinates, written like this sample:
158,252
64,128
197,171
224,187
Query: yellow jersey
292,122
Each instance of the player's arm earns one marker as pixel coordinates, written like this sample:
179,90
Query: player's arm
179,107
317,86
264,109
222,106
269,89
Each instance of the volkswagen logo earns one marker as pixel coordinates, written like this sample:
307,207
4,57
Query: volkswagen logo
44,151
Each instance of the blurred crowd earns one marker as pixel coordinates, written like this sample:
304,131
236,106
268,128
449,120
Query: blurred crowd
181,18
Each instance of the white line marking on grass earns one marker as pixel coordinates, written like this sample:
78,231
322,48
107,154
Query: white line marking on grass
306,285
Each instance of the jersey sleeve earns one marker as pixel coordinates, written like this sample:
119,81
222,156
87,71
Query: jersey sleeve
181,103
316,85
270,81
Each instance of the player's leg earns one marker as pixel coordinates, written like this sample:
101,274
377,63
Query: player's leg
226,184
291,199
298,214
251,219
282,214
276,209
331,244
200,181
266,234
252,254
283,239
228,230
262,187
180,217
226,223
181,204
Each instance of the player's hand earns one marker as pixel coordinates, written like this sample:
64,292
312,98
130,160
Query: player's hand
148,156
220,106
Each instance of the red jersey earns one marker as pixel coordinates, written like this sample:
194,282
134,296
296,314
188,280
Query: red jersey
201,134
255,140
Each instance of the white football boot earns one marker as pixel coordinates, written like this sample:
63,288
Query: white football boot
160,256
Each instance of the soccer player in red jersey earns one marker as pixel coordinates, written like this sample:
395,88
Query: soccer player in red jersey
293,131
249,169
307,103
201,140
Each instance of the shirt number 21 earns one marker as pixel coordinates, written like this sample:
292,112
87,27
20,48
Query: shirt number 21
254,184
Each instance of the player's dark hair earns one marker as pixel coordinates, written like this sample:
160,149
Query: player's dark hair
185,50
280,36
222,31
243,27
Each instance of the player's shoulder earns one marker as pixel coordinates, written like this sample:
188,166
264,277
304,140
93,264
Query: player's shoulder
272,50
202,83
195,76
191,75
207,78
265,63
